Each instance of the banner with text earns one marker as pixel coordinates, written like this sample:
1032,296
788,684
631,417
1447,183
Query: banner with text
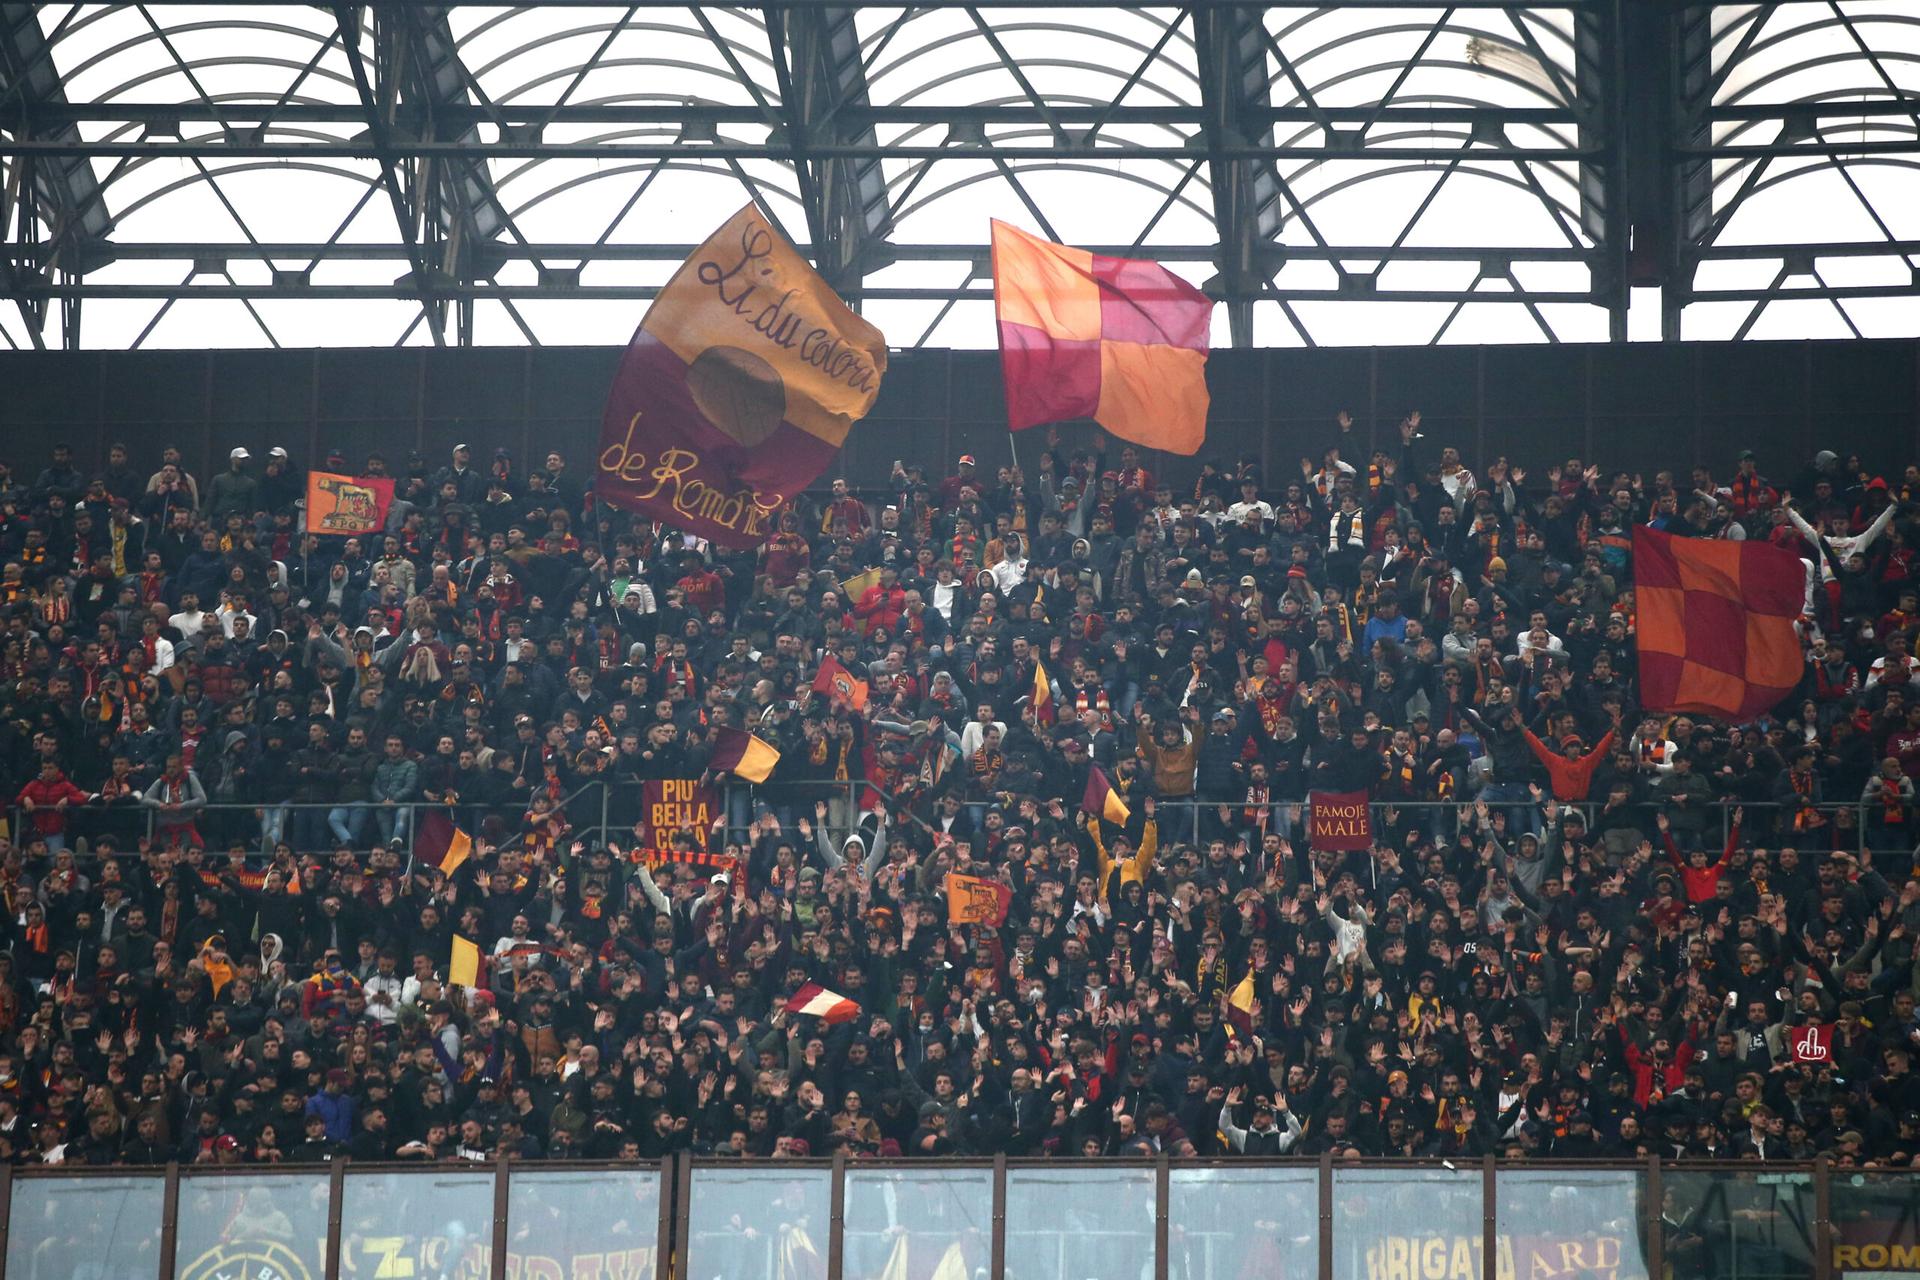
1340,820
738,389
672,805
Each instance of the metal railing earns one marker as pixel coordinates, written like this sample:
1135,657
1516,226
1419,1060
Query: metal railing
1000,1218
1844,825
597,811
219,826
306,827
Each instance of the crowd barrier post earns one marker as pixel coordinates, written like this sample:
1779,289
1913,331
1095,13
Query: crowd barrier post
1326,1213
837,1216
169,1220
683,1211
336,1203
998,1246
1653,1216
497,1255
1162,1227
1822,1219
1489,1217
669,1198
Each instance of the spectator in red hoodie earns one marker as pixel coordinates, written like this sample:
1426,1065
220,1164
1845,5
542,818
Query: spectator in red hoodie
1572,773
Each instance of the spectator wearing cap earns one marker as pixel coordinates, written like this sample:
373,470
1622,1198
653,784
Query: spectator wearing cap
282,485
962,478
469,486
234,491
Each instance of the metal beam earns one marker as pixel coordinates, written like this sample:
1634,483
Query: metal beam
883,113
379,130
274,147
486,290
1419,6
62,191
1629,115
1235,90
464,214
825,100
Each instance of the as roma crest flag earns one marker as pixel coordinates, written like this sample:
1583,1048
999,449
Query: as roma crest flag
1118,340
347,505
737,390
1716,624
975,900
1339,820
836,681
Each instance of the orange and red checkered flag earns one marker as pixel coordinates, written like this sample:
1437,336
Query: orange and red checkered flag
1118,340
1716,624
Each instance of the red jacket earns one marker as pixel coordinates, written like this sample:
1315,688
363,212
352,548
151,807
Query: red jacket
1701,882
880,607
1647,1075
47,820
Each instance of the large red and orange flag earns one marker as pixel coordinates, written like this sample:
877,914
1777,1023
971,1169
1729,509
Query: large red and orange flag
1716,624
1118,340
738,389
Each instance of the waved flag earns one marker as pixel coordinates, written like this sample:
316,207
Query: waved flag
1716,624
345,506
836,681
738,389
1102,801
1240,1006
828,1006
1118,340
738,752
977,900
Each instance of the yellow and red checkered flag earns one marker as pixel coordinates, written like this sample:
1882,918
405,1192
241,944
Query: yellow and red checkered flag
1118,340
1716,624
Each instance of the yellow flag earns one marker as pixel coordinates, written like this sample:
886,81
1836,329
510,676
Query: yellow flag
459,849
464,969
856,586
1240,1006
952,1264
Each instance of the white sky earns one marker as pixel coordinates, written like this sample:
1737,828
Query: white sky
252,54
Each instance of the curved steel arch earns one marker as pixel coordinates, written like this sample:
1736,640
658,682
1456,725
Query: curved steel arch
1253,120
665,166
575,69
1055,166
238,167
171,66
1139,48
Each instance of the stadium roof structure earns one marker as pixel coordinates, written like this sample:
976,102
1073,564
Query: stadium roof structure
365,174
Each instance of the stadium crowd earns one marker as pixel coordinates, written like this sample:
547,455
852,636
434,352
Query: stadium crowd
1581,930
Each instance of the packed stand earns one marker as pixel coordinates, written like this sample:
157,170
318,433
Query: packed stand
1581,930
